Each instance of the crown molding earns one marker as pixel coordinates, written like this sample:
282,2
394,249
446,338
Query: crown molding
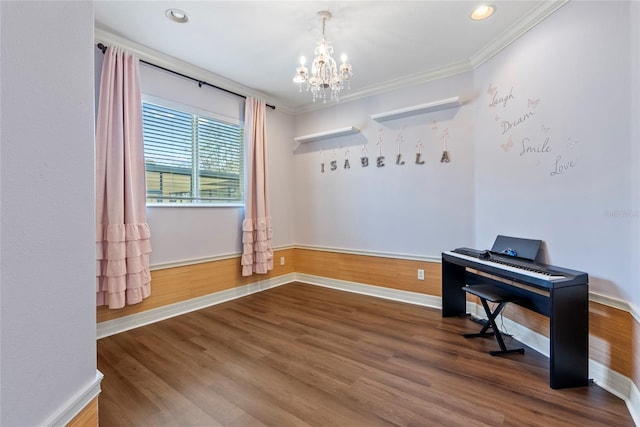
515,31
157,58
390,85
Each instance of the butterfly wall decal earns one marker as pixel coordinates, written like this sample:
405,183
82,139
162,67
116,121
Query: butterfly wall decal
545,129
533,103
491,90
508,145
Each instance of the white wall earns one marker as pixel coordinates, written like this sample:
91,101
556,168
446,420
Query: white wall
47,249
572,79
187,233
634,149
180,233
191,233
570,82
416,210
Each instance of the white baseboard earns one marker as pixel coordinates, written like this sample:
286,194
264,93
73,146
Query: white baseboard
76,404
610,380
376,291
633,403
618,385
115,326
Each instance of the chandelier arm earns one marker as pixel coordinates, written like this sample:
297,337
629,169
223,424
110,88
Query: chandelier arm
324,78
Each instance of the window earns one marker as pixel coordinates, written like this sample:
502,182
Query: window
191,158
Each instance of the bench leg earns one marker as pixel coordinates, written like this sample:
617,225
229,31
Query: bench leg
496,332
486,325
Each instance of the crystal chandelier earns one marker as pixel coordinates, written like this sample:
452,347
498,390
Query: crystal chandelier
325,76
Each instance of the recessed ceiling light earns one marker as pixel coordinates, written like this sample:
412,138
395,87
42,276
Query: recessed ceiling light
482,12
177,15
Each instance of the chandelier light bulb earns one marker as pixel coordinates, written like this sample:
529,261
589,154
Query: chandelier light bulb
343,58
326,79
302,60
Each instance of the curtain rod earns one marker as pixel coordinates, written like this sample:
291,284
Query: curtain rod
103,48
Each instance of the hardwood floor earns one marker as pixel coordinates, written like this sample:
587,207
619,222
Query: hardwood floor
301,355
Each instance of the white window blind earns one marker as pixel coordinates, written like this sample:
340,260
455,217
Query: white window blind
191,158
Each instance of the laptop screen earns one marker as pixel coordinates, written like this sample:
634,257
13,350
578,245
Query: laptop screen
517,247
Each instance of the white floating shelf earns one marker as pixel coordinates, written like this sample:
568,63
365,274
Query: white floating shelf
443,104
328,134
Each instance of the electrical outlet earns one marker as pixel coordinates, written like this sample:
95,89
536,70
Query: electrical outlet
281,260
420,274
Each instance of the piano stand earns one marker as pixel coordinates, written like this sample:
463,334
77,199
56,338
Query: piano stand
498,295
563,300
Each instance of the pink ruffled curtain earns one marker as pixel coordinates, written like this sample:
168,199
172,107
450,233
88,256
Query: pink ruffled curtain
122,233
257,252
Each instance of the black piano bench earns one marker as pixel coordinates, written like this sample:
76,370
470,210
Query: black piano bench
497,295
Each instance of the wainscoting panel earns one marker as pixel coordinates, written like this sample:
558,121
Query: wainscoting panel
635,350
610,337
613,325
394,273
82,409
179,284
88,417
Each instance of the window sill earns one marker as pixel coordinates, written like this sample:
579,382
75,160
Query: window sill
196,205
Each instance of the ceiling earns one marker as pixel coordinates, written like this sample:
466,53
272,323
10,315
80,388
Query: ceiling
256,45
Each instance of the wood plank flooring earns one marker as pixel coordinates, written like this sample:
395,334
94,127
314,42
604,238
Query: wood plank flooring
302,355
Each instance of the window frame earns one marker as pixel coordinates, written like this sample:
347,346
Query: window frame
188,109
